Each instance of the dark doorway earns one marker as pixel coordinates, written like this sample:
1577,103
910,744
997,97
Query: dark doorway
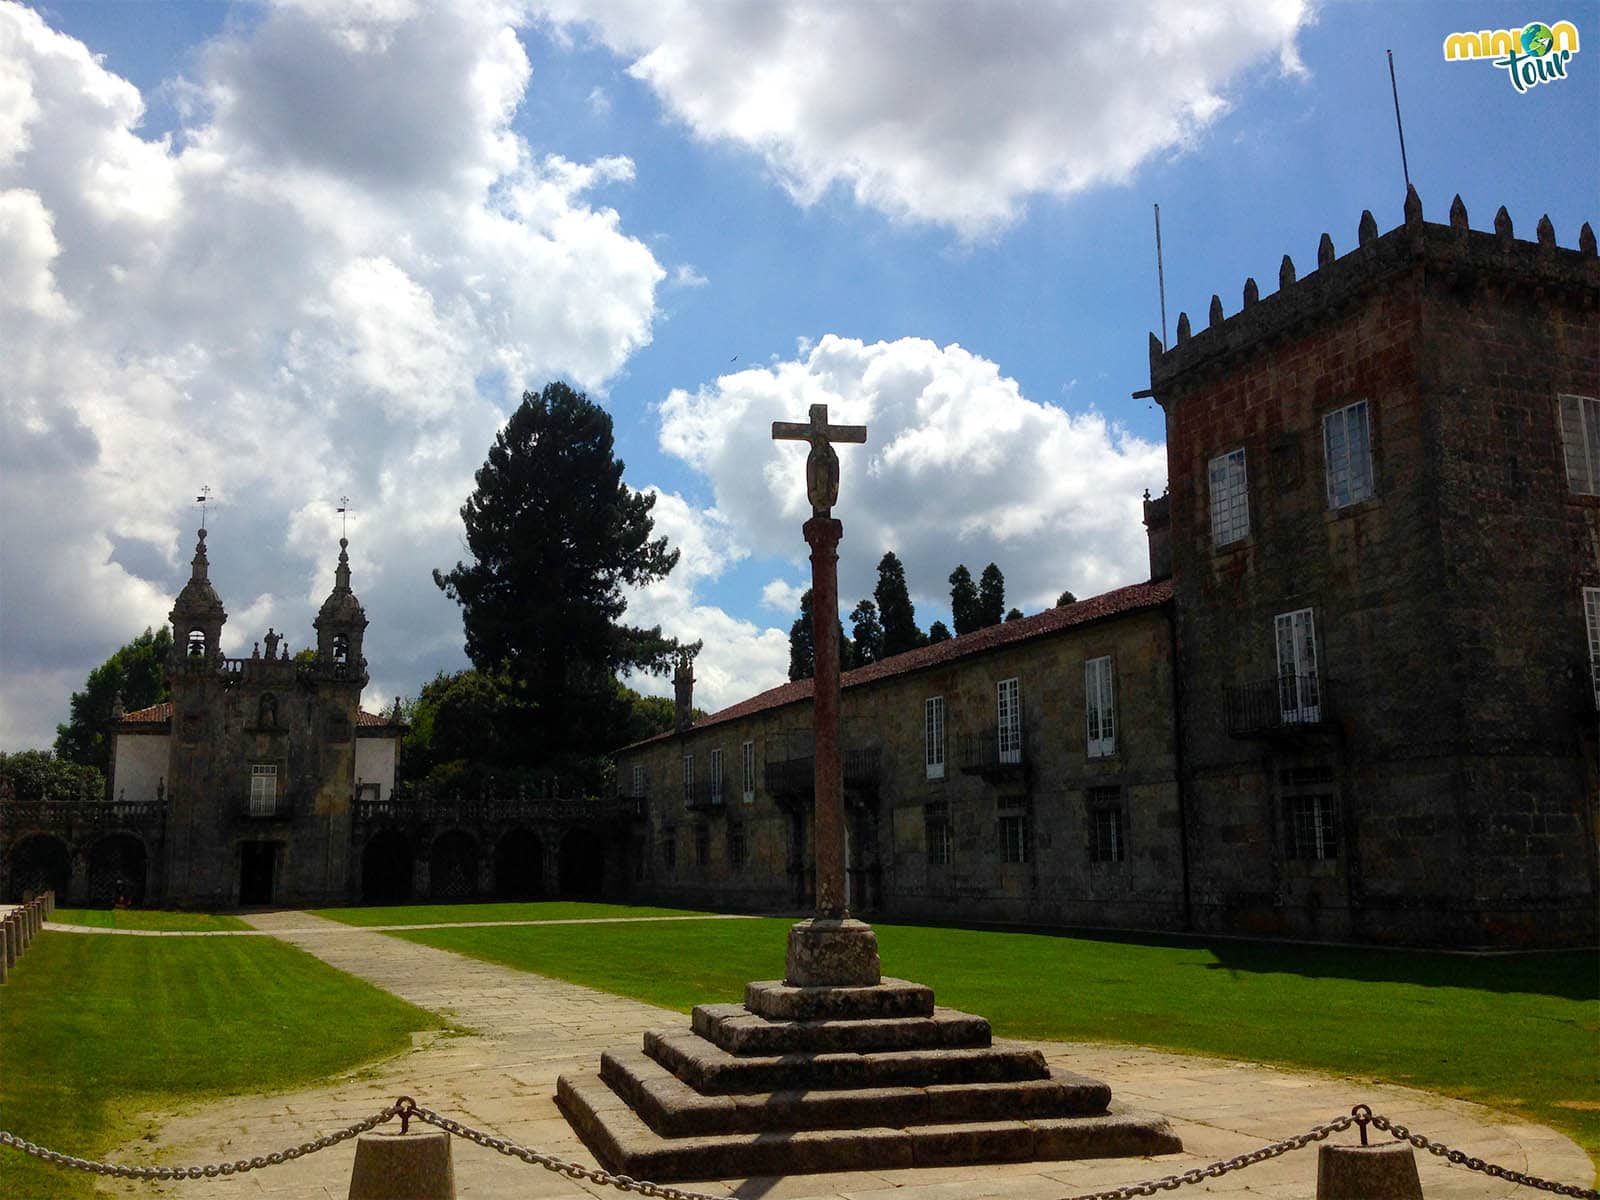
386,869
453,867
39,864
583,865
116,870
519,866
257,861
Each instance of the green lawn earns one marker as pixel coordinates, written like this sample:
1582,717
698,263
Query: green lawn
95,1029
453,914
1520,1033
145,918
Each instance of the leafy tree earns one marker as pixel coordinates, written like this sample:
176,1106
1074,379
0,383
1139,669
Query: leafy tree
900,632
139,672
938,632
964,601
865,633
41,775
555,536
802,647
1065,599
991,597
1014,614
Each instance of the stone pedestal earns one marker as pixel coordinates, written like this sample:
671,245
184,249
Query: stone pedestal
826,952
1383,1172
403,1166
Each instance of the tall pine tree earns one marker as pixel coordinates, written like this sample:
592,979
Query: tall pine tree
866,633
899,618
802,643
964,601
991,597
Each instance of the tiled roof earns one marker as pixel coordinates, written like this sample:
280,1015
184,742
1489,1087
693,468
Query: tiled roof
158,714
1109,604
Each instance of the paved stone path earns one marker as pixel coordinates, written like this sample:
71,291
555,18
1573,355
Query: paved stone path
528,1029
326,927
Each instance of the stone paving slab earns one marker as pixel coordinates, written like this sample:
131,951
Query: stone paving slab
326,927
527,1029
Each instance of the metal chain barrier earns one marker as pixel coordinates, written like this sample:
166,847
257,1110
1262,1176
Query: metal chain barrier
408,1110
210,1170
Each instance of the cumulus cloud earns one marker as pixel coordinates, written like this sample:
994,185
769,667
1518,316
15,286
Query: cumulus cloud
946,111
333,278
959,466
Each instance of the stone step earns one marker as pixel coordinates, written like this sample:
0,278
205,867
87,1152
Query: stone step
673,1109
739,1031
778,1001
711,1070
623,1143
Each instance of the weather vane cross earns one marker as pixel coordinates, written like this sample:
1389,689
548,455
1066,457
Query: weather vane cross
205,494
822,465
344,514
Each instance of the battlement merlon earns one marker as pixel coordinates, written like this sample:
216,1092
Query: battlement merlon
1464,256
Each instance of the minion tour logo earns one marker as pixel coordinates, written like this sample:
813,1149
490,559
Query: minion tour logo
1537,53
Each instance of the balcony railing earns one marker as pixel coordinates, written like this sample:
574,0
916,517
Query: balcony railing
279,808
703,797
1284,705
65,816
409,808
860,766
985,753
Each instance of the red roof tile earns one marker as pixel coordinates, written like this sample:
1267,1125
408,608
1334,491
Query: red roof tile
1109,604
158,713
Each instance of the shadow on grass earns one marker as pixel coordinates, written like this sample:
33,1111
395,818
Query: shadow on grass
1566,974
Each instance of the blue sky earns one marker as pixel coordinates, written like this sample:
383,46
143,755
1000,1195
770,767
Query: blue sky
308,249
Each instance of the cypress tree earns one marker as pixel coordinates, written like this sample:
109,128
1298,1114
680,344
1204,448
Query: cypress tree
964,601
898,617
991,597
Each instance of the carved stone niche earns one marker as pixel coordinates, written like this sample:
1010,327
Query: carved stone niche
1287,455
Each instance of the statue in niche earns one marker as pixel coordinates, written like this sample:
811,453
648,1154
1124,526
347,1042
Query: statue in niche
267,712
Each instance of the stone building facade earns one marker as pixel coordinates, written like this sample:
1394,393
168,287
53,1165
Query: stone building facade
1025,772
1361,703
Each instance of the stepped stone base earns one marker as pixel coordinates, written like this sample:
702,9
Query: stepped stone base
834,1078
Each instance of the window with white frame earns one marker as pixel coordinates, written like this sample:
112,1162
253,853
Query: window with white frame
638,781
1310,813
1008,712
933,736
688,780
1230,498
716,777
748,754
1580,442
1299,688
1015,838
263,789
1591,616
1099,707
1347,445
937,832
1106,841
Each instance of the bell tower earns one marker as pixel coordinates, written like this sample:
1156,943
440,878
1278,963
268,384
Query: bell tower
340,624
197,617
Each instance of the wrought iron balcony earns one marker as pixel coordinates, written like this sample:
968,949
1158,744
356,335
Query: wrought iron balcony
1283,706
279,808
983,754
861,768
421,807
704,797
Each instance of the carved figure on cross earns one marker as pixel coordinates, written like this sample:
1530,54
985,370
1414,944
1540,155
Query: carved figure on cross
822,464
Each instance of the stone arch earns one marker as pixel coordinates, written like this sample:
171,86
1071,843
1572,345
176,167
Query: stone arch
519,866
583,864
453,866
117,867
386,868
39,862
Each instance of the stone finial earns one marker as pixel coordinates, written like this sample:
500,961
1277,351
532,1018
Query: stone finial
1367,229
397,715
256,653
1502,224
1156,348
1285,272
683,691
1586,240
1216,310
1325,254
117,709
1458,213
1183,328
1251,292
1546,232
1413,206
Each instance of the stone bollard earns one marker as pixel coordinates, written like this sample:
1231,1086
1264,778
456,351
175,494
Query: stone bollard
49,904
1383,1172
19,934
9,945
403,1166
35,921
5,938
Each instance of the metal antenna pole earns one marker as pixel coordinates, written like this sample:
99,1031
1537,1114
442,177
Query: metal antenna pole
1399,128
1161,280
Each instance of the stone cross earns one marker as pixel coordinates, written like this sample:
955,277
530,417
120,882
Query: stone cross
822,533
822,466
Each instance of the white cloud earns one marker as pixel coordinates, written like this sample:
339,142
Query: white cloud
946,111
685,276
959,466
332,279
782,595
